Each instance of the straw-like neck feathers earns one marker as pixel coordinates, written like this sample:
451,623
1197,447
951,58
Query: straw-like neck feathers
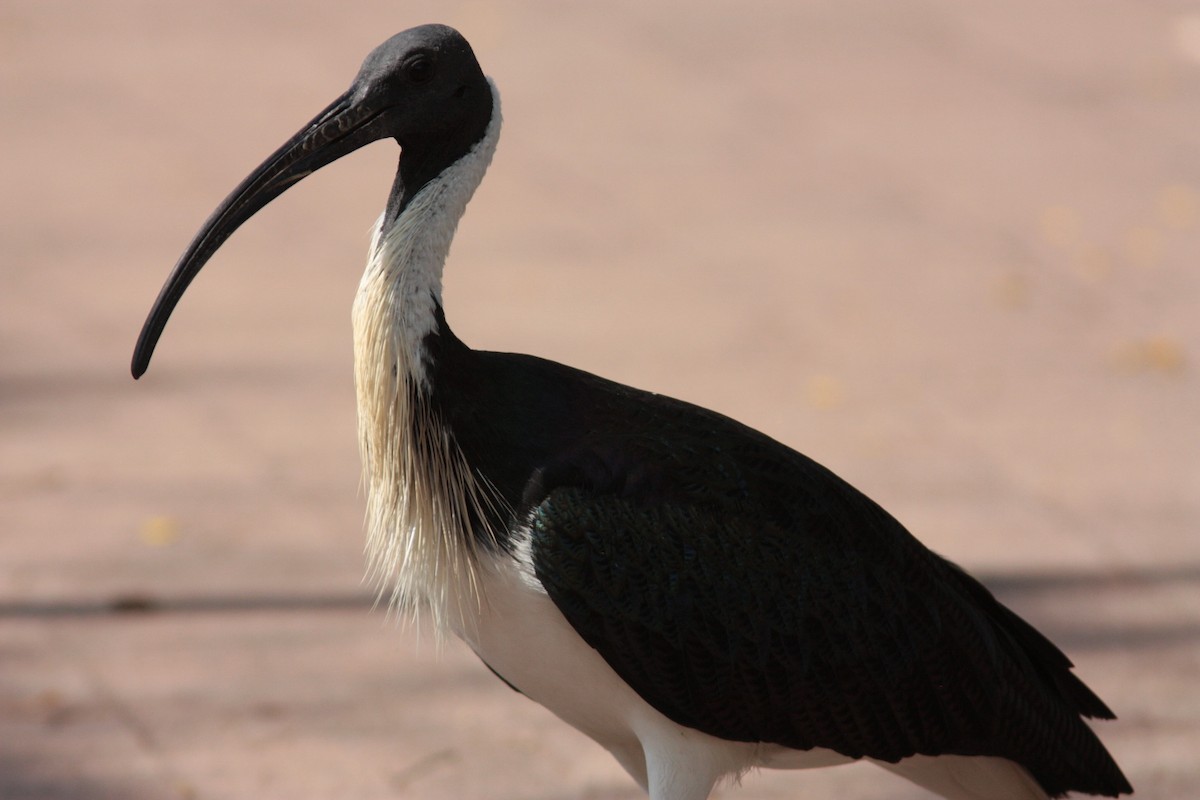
421,495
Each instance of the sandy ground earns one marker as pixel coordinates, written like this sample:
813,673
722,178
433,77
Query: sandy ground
949,250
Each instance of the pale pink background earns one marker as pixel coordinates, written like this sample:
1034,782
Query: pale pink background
948,249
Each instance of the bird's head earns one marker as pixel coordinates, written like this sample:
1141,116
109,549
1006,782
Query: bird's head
422,87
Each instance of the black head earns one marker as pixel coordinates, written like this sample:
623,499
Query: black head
437,102
428,87
422,87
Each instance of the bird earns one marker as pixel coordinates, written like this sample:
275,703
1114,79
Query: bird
695,596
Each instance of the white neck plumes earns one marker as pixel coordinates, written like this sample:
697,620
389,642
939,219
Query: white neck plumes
420,493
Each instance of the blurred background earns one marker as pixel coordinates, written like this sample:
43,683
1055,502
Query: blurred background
949,250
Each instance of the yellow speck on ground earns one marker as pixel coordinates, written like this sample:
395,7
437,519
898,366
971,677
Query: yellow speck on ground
824,392
159,531
1153,354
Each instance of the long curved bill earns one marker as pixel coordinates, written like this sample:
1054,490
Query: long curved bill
343,127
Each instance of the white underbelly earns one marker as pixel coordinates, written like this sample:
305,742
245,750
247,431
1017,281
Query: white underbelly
519,632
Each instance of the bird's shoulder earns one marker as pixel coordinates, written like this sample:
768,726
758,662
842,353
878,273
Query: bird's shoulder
577,428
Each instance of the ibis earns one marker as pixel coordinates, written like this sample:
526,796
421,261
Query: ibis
698,598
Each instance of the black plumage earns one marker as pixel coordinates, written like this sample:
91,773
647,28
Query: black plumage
744,590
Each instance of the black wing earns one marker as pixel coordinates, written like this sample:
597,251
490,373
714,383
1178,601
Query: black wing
758,597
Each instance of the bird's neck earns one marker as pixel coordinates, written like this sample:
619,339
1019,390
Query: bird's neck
421,496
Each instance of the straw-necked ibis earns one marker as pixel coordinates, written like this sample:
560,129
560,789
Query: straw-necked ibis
698,598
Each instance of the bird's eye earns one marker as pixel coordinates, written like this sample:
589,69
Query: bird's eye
418,69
